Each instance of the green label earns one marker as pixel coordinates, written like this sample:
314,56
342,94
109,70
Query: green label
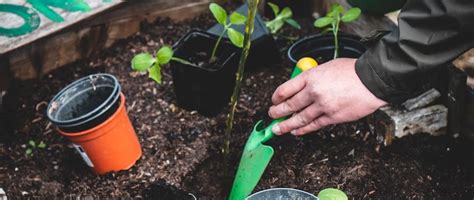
31,19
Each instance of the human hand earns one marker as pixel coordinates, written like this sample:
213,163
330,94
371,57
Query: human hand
328,94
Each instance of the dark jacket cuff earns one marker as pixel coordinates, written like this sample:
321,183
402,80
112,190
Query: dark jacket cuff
372,81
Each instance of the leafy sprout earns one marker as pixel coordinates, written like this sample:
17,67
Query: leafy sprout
220,14
334,17
281,17
33,146
145,62
332,194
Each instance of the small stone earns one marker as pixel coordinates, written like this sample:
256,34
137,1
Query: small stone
24,193
3,195
351,153
173,108
16,169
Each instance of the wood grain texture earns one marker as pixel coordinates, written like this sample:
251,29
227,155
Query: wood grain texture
47,26
93,34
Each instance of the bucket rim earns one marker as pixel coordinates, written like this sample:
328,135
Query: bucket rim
273,189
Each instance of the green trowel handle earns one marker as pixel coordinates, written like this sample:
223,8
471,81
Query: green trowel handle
268,131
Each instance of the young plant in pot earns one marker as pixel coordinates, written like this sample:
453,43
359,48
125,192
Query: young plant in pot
145,62
264,51
282,17
206,82
325,47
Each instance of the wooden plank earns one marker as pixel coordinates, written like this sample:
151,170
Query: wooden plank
396,123
46,26
93,34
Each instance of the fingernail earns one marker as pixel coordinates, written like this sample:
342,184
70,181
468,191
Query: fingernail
293,132
276,129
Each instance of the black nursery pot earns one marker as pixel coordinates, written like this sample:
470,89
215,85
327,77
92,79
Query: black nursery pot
85,103
263,50
321,47
205,87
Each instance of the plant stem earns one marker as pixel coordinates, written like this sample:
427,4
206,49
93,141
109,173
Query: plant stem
213,55
182,61
249,26
336,38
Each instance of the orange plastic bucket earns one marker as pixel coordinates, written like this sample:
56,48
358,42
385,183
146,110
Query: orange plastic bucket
109,146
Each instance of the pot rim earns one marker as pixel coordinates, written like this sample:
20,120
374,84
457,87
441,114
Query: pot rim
180,42
342,36
107,103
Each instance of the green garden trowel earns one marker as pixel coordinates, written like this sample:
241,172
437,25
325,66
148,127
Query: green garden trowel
257,155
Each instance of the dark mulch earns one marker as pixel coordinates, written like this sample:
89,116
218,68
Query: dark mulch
181,149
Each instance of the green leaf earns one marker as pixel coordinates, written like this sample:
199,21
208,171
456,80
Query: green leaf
32,143
276,26
141,62
28,151
219,13
286,13
326,30
236,37
332,194
351,15
293,23
155,73
164,55
336,8
274,8
42,145
237,18
323,21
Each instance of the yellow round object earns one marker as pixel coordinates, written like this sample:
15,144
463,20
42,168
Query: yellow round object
306,63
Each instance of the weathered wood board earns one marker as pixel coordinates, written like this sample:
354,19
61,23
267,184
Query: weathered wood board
94,33
46,25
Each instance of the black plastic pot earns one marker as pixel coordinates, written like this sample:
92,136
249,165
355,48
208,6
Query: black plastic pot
263,51
85,103
206,88
321,47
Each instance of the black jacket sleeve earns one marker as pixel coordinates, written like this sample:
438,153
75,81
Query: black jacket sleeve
404,63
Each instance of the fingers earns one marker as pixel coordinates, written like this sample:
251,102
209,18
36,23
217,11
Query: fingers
288,89
315,125
301,100
298,120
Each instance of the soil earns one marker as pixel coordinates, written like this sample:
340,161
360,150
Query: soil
181,149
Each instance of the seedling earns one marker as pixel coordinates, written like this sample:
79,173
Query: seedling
33,147
146,62
285,16
235,18
334,17
332,194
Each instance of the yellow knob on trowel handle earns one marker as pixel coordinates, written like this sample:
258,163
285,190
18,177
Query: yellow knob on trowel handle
304,64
